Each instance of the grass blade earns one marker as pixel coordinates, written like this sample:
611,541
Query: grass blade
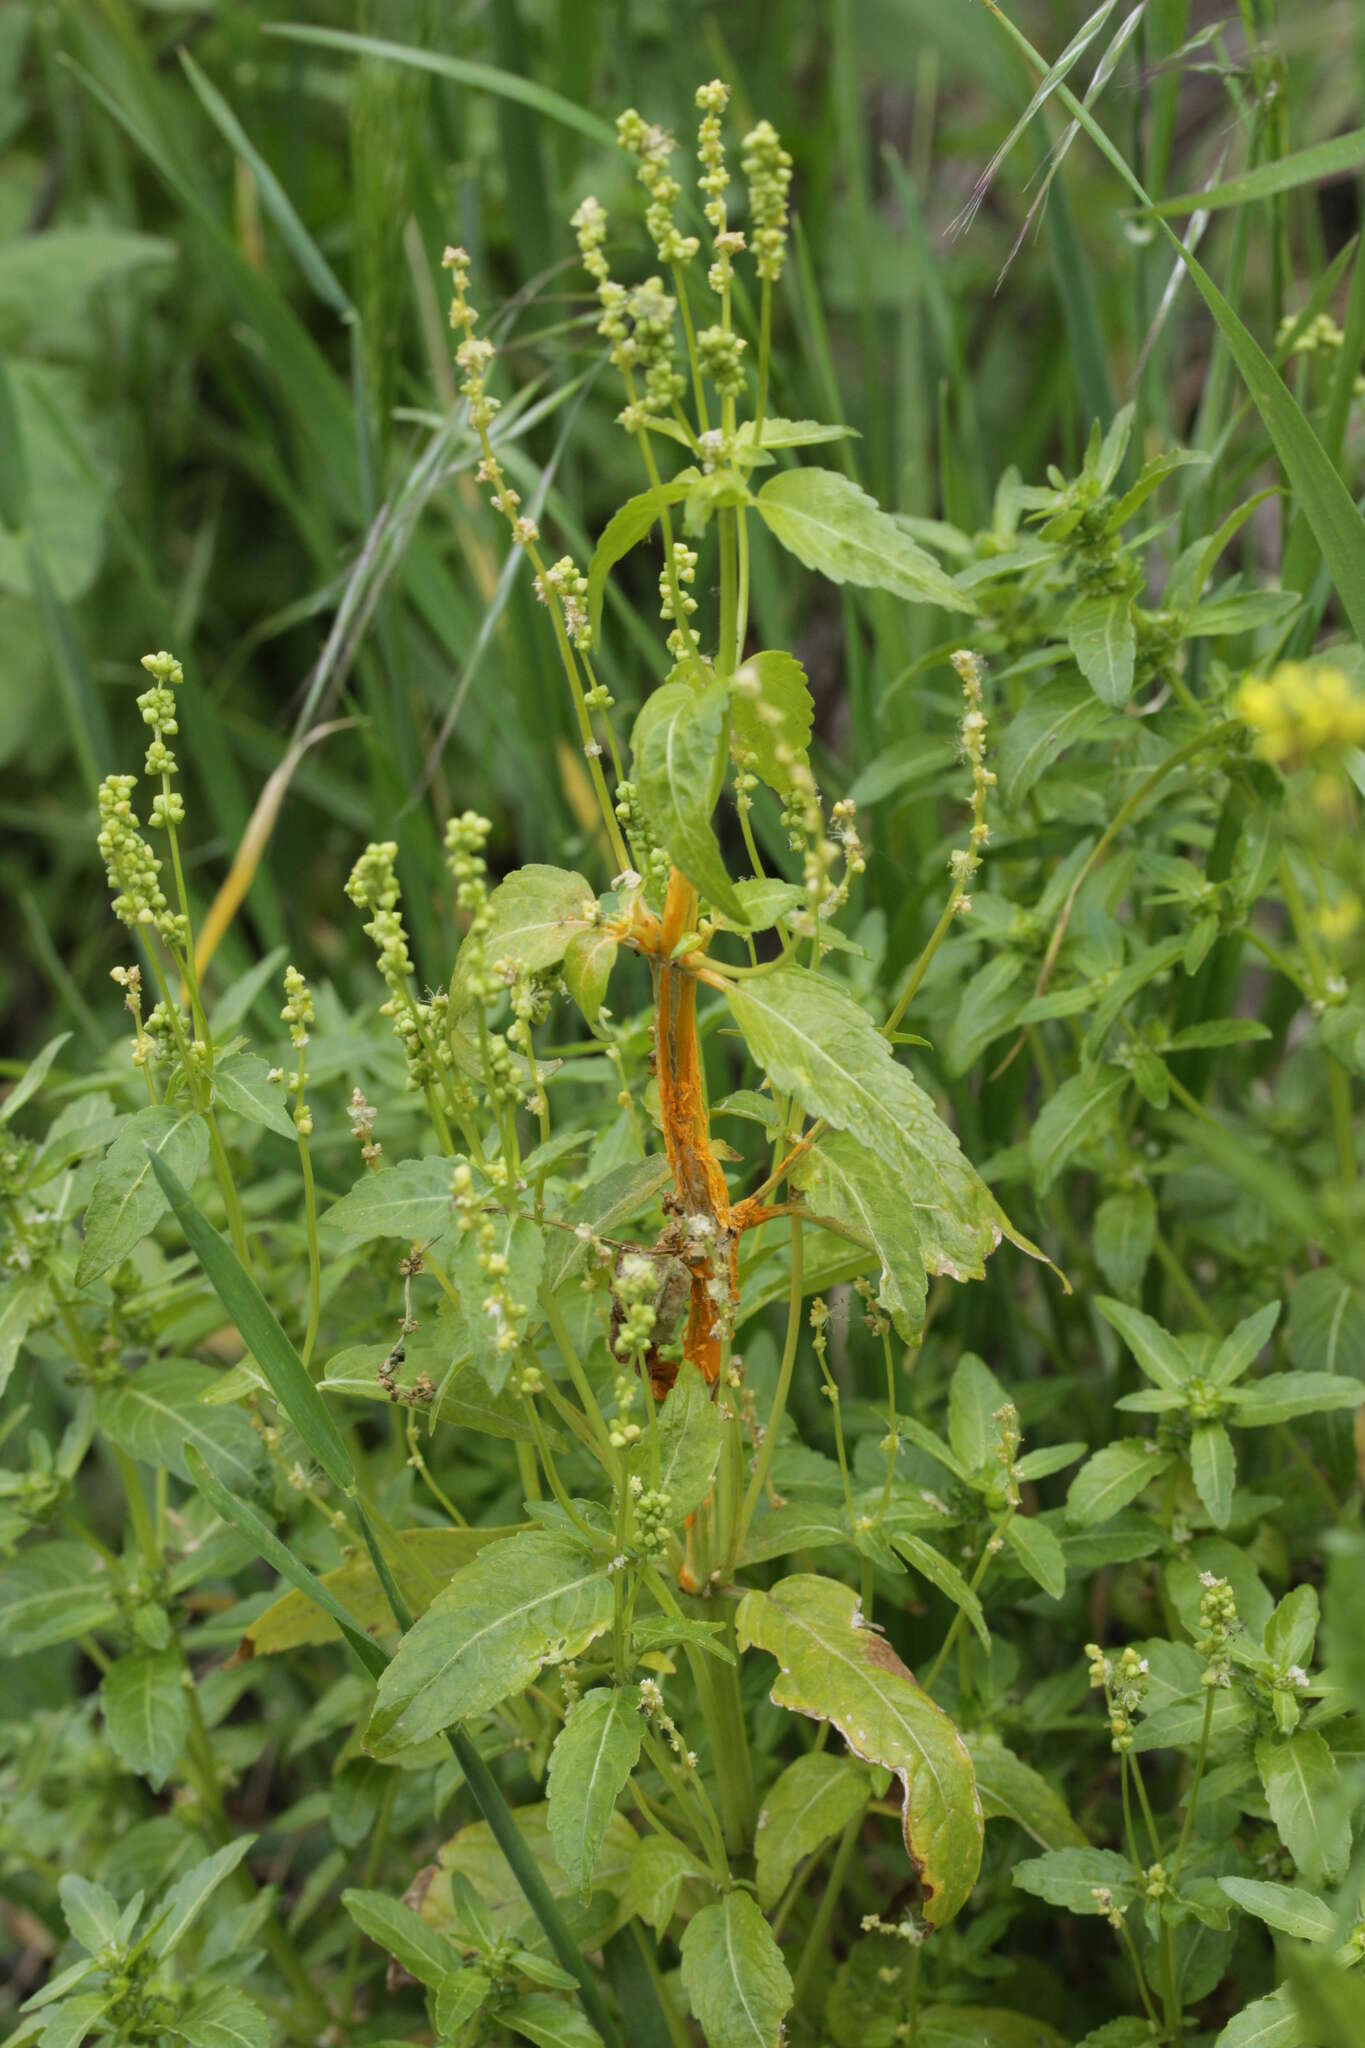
261,1332
483,77
1306,167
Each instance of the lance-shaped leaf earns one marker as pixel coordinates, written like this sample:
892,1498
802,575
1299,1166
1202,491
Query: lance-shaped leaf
1307,1802
674,744
855,1188
423,1952
771,716
837,1669
52,1593
127,1199
157,1412
595,1752
1103,639
689,1444
822,518
260,1332
535,1599
624,530
1113,1477
588,962
814,1799
532,915
147,1712
734,1976
1283,1907
1214,1469
1010,1789
814,1041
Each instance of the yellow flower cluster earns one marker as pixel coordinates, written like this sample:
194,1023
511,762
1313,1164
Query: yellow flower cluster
1302,709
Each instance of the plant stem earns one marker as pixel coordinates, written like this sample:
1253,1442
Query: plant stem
768,1447
990,1549
814,1950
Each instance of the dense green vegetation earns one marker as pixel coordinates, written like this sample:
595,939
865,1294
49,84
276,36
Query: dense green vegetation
725,1407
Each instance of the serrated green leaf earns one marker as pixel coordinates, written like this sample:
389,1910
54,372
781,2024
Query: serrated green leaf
188,1896
623,531
23,1303
835,1668
127,1200
260,1332
1039,1552
1113,1477
1284,1396
822,518
594,1753
410,1199
519,1604
51,1593
733,1974
812,1801
1103,638
771,716
91,1912
242,1084
147,1712
1078,1114
223,2018
689,1431
1283,1907
423,1953
1010,1789
1213,1467
856,1188
1125,1232
549,2022
157,1411
1070,1878
813,1041
1064,712
588,961
674,745
1269,2022
1307,1803
532,916
1158,1353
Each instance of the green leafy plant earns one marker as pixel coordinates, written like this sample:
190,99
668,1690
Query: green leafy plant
674,1620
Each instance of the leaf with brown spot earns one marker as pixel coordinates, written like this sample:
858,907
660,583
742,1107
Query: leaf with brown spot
836,1668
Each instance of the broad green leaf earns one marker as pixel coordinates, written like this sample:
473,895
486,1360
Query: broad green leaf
674,746
1307,1803
223,2018
147,1712
1039,1552
1010,1789
814,1799
1078,1114
813,1041
1070,1878
624,530
411,1199
733,1974
660,1868
69,2024
1064,712
822,518
463,1399
588,961
855,1188
155,1412
975,1398
837,1669
1327,1324
534,1599
1103,639
63,540
1125,1232
458,1999
423,1953
549,2022
1290,1633
1214,1469
987,1007
23,1303
33,1076
188,1896
127,1201
771,715
51,1593
533,915
1283,1907
594,1753
1284,1396
779,433
604,1207
1113,1477
1158,1353
423,1562
1269,2022
242,1084
1240,611
260,1332
519,1242
975,2026
689,1444
473,1857
91,1912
